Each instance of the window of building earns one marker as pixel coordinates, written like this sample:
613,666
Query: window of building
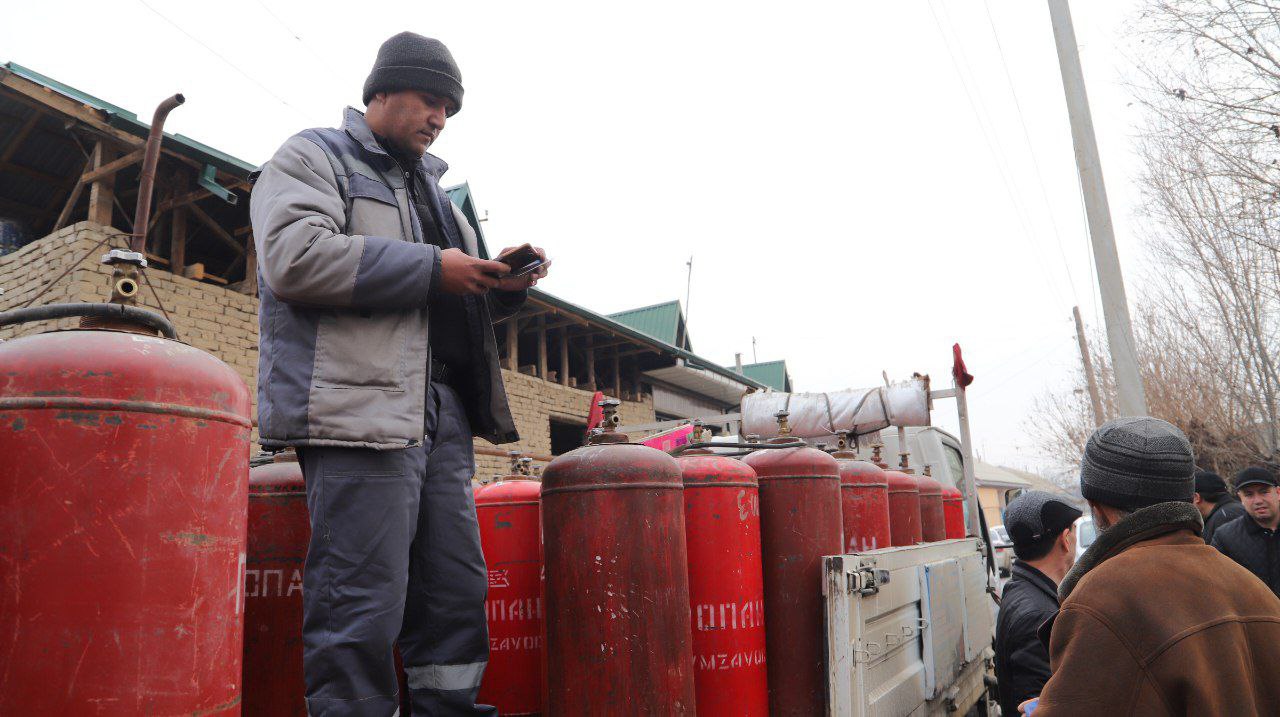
566,436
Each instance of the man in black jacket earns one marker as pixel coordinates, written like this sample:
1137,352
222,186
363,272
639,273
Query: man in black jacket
1215,503
1251,539
1040,525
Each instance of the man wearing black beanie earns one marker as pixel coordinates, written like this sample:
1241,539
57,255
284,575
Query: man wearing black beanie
1215,503
1152,620
378,363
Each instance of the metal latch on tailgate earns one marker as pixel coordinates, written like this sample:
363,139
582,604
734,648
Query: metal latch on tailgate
867,580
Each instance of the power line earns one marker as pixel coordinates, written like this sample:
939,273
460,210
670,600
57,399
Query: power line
1035,163
983,119
227,62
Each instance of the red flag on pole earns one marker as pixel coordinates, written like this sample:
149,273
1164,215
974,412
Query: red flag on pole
595,415
958,371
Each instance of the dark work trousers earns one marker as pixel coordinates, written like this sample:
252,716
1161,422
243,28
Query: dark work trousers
395,558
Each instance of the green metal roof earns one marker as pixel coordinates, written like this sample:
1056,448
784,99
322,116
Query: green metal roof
461,196
664,322
123,119
771,373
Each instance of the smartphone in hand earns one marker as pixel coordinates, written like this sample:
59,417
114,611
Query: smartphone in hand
522,260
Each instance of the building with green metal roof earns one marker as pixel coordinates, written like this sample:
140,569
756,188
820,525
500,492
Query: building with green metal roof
773,374
664,322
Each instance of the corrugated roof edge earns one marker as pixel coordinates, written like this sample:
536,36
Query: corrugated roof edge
128,121
658,305
692,358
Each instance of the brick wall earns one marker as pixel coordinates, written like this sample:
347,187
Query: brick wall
225,323
218,320
534,403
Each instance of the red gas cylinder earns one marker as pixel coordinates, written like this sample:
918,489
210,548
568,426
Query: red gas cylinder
279,531
864,502
122,525
953,511
511,536
726,588
933,521
617,583
800,523
904,509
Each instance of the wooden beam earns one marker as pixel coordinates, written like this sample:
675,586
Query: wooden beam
617,376
113,166
178,240
216,228
564,357
32,173
183,199
542,347
101,190
591,363
512,359
23,209
250,283
76,191
20,137
41,97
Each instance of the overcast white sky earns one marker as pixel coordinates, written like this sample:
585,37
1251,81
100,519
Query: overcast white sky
849,200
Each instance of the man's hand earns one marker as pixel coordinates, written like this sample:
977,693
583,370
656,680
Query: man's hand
461,273
520,283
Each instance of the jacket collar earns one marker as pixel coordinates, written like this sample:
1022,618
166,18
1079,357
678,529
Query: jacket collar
1219,506
1031,574
354,124
1253,527
1140,525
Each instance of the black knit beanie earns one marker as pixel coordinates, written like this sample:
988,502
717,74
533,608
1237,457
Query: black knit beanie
409,61
1131,463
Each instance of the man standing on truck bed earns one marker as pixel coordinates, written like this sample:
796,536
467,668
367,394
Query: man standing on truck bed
1040,526
1153,621
360,253
1253,539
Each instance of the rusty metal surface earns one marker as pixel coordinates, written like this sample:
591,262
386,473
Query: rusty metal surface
726,585
511,536
953,512
122,531
800,522
617,587
147,178
933,521
904,509
279,531
864,504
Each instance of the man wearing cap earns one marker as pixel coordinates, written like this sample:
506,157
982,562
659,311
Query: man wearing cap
1153,621
1251,539
1040,525
1215,503
378,363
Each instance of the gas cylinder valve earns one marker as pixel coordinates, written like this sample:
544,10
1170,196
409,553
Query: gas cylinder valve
125,274
783,428
607,431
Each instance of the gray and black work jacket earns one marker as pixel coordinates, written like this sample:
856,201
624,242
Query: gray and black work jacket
1225,511
346,279
1253,546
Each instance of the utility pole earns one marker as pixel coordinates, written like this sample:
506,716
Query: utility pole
688,290
1094,399
1130,395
